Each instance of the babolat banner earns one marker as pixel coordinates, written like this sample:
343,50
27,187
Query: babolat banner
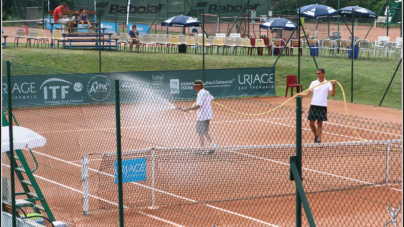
48,90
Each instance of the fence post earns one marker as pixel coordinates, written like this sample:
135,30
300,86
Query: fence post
10,131
387,162
84,178
298,157
119,152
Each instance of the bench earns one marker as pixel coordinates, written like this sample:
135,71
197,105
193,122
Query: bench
94,40
51,13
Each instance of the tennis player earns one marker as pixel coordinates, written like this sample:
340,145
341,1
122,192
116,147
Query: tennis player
318,107
204,113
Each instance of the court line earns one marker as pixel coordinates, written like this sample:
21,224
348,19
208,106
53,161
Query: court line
158,190
307,129
283,163
160,219
75,190
213,122
65,186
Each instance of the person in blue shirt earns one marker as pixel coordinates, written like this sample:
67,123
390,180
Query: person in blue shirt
134,38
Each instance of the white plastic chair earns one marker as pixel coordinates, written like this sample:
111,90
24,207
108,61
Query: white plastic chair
33,35
21,33
123,38
365,47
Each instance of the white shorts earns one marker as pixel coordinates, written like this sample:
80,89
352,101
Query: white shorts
63,21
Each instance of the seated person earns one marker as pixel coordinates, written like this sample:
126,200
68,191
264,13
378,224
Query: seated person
134,38
83,18
60,19
76,19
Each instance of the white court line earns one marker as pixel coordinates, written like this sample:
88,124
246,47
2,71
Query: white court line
370,130
292,126
213,122
325,173
75,190
160,219
64,186
148,126
158,190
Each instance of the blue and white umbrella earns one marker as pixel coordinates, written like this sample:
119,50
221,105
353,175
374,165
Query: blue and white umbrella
278,24
358,12
181,21
315,11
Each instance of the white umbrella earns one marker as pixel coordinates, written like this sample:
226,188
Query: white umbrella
22,137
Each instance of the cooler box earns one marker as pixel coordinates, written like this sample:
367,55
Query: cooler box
313,52
356,51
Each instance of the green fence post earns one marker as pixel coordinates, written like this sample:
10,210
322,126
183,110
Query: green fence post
352,53
119,152
299,157
10,131
99,41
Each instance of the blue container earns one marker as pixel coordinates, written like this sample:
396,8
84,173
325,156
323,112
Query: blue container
313,52
356,51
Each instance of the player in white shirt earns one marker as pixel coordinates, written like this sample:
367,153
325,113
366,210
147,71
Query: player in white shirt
204,113
318,107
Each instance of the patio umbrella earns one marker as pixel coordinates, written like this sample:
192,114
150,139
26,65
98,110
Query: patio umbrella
358,12
22,137
278,24
315,11
181,21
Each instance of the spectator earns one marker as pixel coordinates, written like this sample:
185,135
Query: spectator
60,19
76,19
83,18
134,38
194,32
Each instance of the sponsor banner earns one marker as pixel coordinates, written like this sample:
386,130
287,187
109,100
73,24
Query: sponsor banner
141,28
133,170
47,90
152,8
110,27
48,26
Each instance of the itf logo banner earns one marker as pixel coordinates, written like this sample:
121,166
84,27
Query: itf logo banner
132,170
110,27
141,28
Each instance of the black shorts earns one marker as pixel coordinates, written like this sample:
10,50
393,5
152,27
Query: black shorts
202,127
318,113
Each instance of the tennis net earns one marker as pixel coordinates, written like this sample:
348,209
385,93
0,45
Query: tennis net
193,175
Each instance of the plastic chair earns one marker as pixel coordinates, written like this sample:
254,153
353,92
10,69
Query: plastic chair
230,42
21,34
365,47
174,40
42,36
219,42
57,36
294,44
338,34
279,44
123,38
246,43
313,45
33,35
203,41
190,41
259,43
291,81
268,45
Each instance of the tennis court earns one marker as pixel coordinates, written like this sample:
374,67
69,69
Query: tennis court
245,182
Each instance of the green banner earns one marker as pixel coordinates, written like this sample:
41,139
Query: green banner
48,90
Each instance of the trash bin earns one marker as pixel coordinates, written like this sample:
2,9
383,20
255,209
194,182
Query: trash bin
182,48
314,52
356,51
